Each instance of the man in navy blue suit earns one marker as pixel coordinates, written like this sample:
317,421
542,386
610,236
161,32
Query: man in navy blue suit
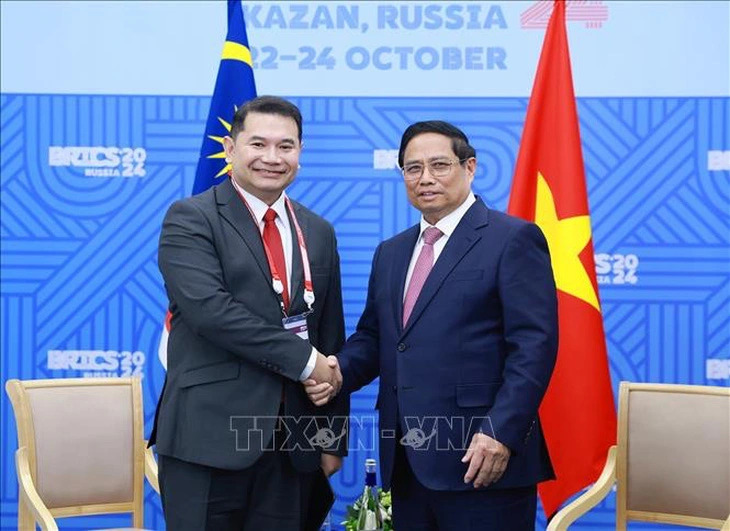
461,326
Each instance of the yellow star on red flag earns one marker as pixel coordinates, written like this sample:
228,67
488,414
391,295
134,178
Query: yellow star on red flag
566,239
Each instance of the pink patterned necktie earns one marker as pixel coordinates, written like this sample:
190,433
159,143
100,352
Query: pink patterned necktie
423,266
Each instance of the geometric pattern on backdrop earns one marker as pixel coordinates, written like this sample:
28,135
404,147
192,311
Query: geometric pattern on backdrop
81,292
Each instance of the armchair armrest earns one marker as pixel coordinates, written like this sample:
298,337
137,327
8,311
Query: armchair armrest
589,499
150,468
726,525
28,493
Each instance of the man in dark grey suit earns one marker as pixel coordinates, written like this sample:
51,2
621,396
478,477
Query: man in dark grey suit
253,280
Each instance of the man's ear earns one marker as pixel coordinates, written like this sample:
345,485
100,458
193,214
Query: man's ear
471,167
228,147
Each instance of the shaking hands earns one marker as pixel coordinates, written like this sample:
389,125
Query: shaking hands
325,381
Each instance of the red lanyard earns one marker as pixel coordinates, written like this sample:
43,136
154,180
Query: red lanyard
275,277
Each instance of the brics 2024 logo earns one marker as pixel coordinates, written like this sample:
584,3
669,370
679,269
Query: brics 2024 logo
100,161
98,363
617,269
592,12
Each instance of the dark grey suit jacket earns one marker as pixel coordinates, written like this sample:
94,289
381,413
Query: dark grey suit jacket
228,353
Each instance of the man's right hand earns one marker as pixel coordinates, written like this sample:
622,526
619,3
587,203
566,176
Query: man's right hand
325,381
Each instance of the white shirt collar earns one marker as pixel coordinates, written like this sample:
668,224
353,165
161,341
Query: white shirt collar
259,208
448,223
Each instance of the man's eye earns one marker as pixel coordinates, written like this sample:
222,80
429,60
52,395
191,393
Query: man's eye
286,147
412,170
439,165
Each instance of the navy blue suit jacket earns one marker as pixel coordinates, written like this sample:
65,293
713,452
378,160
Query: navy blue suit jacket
476,354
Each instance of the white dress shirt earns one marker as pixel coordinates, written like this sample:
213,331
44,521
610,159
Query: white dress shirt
447,225
259,209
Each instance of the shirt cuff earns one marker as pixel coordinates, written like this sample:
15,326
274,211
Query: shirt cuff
309,367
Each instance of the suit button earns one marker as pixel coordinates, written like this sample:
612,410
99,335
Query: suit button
401,347
395,388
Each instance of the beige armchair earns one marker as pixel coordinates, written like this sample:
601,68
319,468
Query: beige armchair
81,449
672,460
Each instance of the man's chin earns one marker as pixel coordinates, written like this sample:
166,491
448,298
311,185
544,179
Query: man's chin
433,215
270,175
272,188
429,209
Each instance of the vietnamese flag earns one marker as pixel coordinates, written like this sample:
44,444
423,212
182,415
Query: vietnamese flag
549,188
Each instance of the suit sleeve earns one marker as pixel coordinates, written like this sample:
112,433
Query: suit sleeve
332,337
529,308
194,280
332,333
360,357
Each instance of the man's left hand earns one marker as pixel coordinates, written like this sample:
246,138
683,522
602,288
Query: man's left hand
487,460
330,464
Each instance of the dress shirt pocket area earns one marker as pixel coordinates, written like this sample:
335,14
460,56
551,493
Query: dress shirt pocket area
477,395
218,372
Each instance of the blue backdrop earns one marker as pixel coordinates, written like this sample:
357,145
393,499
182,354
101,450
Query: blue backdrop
86,178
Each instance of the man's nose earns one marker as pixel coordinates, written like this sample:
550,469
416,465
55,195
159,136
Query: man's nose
271,155
426,177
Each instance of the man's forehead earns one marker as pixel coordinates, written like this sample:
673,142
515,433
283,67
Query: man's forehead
270,136
264,124
433,146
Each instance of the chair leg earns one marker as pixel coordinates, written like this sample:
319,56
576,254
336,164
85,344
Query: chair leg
26,522
138,518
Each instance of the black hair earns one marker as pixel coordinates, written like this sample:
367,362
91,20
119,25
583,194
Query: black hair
459,141
266,105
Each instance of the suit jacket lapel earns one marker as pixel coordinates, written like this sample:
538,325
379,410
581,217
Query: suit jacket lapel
461,240
400,270
232,209
296,282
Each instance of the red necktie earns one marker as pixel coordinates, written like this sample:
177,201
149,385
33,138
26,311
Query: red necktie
273,241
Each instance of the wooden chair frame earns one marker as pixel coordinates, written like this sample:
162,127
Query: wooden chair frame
31,508
615,471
